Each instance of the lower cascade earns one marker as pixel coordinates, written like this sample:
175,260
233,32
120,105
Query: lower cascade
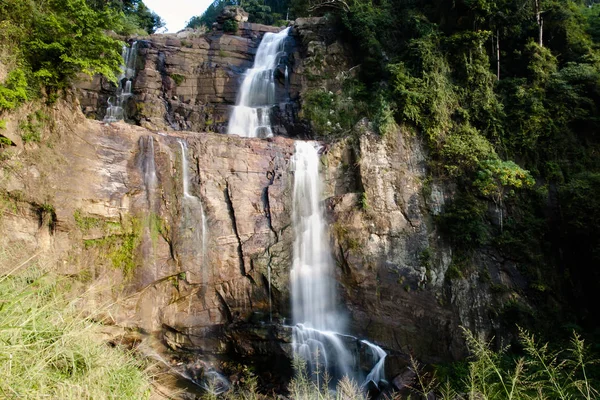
317,337
116,105
251,115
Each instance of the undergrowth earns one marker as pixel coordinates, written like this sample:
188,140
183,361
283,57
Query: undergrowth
48,349
539,373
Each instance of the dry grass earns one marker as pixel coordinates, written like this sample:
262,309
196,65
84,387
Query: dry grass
48,349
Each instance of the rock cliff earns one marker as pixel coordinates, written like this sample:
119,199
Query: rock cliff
106,204
188,81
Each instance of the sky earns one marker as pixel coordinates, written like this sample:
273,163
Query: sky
177,12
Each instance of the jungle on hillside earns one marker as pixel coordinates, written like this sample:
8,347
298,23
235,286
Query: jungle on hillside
505,96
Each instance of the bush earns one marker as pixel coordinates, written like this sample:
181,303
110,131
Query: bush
14,90
55,40
230,26
540,373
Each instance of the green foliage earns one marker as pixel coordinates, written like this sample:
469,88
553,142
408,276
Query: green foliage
495,177
331,114
385,120
134,17
230,26
49,349
266,12
14,90
31,128
364,202
539,373
120,249
51,42
178,78
85,222
464,221
209,16
68,37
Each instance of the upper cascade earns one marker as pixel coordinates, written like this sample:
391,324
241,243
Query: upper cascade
116,105
251,115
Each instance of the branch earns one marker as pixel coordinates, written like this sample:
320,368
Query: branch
337,4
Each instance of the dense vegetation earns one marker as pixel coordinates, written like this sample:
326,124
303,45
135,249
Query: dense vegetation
505,93
44,44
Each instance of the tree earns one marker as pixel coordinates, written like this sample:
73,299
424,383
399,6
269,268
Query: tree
58,39
496,179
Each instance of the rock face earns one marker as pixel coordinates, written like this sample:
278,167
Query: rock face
119,217
189,81
106,203
184,81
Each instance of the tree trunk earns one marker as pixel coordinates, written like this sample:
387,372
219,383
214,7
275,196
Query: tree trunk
498,53
540,22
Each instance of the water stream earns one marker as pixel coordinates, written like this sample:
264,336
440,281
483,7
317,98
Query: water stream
192,206
317,336
148,166
116,104
251,115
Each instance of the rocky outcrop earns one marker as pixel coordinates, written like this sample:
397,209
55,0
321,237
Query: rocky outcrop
106,202
184,81
188,81
394,264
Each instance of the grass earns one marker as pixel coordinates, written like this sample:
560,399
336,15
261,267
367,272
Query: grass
48,349
540,373
304,387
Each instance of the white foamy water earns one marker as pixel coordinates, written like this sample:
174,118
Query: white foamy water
251,115
317,334
313,286
378,356
116,105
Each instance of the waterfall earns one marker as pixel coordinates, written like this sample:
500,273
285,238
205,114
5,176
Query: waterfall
116,105
193,203
149,169
378,356
317,336
251,115
313,286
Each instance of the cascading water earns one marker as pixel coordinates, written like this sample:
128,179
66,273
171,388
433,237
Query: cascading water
378,356
116,105
313,286
192,203
149,169
316,335
251,115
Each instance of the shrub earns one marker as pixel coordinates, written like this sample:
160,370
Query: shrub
178,78
14,90
230,26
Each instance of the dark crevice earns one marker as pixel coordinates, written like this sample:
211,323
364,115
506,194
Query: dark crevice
344,262
235,229
46,216
406,217
250,278
226,310
266,203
